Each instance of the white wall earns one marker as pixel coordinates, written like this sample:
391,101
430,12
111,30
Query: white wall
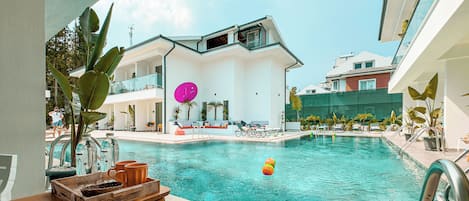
22,84
181,69
219,79
258,79
456,112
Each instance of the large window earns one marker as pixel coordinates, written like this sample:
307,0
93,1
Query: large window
217,41
369,84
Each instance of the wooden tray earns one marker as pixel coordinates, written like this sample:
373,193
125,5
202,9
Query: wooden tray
68,189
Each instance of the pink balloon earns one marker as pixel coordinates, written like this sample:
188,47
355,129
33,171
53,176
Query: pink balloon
186,91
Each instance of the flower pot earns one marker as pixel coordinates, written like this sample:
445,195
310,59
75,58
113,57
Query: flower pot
430,143
407,136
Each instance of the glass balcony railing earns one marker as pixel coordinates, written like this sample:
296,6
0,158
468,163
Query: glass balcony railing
137,84
415,25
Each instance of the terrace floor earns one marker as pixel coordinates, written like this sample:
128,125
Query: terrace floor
425,158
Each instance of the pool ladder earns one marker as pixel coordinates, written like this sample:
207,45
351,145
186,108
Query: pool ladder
457,181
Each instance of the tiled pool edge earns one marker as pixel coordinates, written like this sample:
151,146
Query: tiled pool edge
398,149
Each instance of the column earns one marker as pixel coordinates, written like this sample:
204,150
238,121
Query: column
22,86
141,115
119,117
456,110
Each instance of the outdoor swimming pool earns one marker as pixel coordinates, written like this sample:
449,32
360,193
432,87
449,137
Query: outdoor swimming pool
350,168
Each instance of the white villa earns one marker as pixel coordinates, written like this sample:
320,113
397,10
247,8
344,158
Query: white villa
241,67
436,41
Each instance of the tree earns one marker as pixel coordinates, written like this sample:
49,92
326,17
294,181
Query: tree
189,105
64,52
215,105
295,102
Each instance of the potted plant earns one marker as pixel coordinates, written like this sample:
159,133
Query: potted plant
410,123
93,86
428,116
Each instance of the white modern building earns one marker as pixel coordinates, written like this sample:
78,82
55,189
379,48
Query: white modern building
436,41
242,67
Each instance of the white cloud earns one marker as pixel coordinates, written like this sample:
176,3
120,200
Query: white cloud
146,14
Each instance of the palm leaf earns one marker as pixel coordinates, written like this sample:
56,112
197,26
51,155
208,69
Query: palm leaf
98,49
63,82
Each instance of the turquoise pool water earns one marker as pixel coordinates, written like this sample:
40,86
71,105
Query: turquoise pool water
348,168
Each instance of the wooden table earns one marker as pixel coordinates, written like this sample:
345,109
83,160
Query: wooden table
164,191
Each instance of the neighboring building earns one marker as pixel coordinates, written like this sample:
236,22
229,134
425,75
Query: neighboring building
242,66
435,41
314,89
356,84
364,71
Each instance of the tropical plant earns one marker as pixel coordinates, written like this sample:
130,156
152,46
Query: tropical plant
203,112
225,112
189,105
363,117
176,112
313,119
410,121
132,116
215,106
93,86
295,102
429,114
334,118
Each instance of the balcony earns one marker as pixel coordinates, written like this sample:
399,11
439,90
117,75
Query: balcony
137,84
417,21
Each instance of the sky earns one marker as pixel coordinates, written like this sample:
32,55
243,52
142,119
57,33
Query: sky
316,31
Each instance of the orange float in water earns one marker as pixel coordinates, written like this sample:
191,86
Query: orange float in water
268,169
270,161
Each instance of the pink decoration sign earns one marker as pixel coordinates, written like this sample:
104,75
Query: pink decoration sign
186,91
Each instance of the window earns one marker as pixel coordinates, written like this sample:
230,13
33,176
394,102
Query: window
335,85
357,65
368,84
252,39
217,41
311,91
369,64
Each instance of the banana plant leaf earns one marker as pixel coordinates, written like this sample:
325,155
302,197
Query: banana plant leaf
98,49
431,88
421,110
109,61
89,23
63,82
93,88
436,113
418,120
415,95
92,117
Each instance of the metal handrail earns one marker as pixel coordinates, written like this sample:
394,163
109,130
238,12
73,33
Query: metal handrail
460,156
456,178
52,147
419,133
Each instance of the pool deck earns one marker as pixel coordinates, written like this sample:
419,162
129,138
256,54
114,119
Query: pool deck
417,151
